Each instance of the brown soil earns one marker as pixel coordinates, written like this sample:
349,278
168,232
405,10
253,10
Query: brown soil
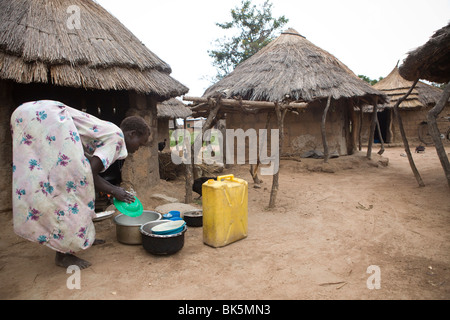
331,223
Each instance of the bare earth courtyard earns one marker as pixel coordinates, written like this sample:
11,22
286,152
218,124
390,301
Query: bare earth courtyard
331,224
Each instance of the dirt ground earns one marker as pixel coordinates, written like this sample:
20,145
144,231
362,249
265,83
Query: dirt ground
332,222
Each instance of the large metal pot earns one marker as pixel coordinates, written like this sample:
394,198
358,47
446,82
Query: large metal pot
128,228
161,244
194,218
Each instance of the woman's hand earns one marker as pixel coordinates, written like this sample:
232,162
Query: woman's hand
102,185
122,195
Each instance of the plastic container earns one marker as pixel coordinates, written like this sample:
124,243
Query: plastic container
133,210
173,216
225,210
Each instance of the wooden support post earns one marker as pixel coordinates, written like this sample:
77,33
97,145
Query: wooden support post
188,171
326,152
372,129
361,119
281,113
254,169
215,107
381,138
405,140
435,134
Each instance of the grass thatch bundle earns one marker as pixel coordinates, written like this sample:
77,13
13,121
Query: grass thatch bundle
430,61
293,68
39,44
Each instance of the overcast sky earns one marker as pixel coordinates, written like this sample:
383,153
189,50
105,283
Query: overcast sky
369,36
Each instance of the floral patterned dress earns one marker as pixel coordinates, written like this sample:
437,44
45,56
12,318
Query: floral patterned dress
53,188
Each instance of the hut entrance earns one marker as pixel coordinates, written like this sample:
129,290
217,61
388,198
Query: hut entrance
384,118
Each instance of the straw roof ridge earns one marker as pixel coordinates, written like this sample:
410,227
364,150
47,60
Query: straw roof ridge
430,61
37,45
291,66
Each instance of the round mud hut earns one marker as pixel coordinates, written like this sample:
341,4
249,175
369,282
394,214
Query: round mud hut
413,110
291,70
76,52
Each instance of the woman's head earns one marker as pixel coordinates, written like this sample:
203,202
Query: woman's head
136,133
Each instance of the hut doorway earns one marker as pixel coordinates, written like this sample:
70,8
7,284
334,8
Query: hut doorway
384,118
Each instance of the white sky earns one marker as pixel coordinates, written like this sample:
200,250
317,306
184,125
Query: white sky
369,36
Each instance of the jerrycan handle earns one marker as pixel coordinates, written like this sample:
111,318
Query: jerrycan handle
228,177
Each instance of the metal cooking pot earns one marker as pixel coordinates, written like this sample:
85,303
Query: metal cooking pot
128,228
161,244
194,218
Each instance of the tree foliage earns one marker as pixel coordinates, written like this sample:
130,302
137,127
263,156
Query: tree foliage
257,28
368,80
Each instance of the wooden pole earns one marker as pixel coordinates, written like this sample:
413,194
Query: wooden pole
435,134
281,113
361,119
405,140
326,152
249,103
372,129
254,169
188,170
215,107
381,138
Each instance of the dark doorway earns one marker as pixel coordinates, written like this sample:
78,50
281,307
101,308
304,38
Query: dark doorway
384,118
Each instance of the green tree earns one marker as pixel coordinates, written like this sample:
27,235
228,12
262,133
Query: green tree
368,80
257,28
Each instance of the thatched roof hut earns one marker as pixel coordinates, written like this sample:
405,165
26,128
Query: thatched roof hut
76,52
172,109
168,110
413,110
395,87
293,68
430,61
38,44
289,70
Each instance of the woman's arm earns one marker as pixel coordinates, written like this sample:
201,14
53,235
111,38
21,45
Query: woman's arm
104,186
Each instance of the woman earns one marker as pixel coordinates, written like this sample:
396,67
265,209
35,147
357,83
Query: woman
58,153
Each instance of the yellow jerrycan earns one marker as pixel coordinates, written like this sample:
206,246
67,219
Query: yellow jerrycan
225,210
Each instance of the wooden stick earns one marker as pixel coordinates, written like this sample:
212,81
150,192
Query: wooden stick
381,138
361,117
247,103
372,129
281,113
405,140
326,152
212,118
435,134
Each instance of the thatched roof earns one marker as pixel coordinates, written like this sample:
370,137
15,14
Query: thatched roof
293,66
173,108
430,61
395,87
37,46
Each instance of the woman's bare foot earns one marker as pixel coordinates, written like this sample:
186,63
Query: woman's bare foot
66,260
